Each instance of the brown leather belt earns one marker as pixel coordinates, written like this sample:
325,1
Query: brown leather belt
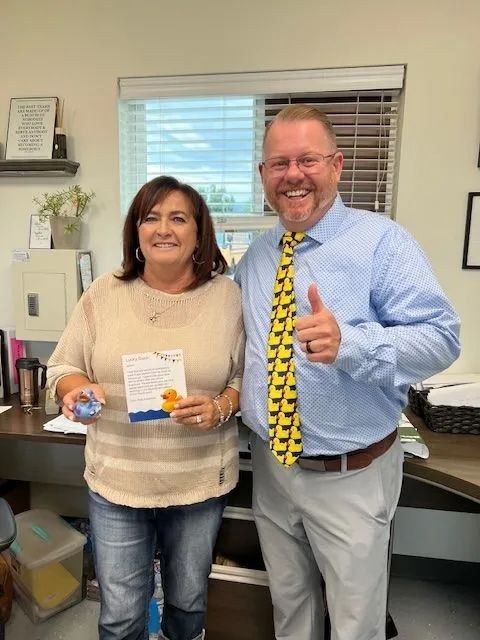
355,460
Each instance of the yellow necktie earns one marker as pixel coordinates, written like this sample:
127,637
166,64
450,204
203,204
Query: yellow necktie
283,421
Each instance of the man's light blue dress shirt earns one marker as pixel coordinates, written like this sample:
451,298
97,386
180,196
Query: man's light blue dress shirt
396,323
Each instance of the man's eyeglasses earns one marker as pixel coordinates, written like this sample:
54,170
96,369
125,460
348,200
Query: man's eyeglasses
307,164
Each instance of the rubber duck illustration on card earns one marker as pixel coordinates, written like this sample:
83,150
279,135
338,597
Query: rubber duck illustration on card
171,397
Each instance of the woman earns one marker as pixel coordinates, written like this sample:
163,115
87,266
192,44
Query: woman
160,482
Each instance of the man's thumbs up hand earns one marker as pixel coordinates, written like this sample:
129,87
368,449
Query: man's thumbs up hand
318,333
314,299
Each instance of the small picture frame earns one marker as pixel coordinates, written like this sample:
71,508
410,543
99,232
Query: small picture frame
85,267
40,233
471,246
31,128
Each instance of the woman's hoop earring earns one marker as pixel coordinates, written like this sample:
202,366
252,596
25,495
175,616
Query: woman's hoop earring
137,255
195,261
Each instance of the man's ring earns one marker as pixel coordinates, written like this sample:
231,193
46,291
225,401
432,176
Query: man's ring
198,418
308,347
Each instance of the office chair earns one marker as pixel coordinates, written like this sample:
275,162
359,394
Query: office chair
8,531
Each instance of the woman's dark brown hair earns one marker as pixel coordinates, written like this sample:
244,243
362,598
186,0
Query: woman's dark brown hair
207,257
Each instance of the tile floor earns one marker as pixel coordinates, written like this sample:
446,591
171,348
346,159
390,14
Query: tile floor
421,610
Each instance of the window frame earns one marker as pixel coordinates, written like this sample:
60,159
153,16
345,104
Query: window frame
378,78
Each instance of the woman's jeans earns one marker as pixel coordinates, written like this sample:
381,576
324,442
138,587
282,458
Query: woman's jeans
124,543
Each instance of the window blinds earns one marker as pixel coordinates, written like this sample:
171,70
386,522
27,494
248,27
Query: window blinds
208,131
366,127
208,142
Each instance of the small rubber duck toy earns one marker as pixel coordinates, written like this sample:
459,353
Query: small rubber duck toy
87,405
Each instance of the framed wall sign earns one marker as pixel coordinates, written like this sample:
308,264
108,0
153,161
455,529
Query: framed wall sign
40,233
471,246
31,127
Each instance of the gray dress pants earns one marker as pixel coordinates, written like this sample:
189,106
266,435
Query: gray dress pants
335,524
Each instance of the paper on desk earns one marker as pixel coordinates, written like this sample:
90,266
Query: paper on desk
412,442
445,379
3,409
462,395
61,424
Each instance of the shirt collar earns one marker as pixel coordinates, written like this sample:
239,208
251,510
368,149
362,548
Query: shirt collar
322,230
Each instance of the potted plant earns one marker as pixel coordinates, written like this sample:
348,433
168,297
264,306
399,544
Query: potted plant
65,210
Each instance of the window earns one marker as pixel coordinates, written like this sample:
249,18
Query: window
208,131
208,142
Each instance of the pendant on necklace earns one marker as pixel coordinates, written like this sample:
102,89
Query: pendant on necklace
154,316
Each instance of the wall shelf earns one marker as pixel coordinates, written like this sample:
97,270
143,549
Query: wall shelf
37,168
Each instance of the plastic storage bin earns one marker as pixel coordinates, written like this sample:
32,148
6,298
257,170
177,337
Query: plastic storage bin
47,564
31,608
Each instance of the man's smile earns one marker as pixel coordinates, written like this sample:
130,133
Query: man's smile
296,194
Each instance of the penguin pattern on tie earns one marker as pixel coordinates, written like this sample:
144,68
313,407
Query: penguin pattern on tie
283,420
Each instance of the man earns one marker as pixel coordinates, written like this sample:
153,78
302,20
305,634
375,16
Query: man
369,319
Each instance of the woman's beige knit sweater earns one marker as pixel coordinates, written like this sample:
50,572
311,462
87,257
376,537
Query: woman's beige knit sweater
155,463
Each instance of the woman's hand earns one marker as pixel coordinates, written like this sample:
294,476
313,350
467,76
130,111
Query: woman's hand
199,412
72,396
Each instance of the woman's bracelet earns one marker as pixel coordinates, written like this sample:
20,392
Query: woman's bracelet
230,406
221,418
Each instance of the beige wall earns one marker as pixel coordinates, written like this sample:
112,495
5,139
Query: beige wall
77,50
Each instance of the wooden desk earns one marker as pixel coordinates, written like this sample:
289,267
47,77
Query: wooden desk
15,424
454,462
31,454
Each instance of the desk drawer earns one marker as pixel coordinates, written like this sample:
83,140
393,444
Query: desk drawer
239,602
239,605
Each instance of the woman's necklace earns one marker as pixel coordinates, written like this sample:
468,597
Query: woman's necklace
151,299
154,313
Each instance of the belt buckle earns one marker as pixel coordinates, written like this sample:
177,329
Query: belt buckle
312,464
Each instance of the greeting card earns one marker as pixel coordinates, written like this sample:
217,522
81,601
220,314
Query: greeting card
154,382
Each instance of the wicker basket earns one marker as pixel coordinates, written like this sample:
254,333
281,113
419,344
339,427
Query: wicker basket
443,418
417,400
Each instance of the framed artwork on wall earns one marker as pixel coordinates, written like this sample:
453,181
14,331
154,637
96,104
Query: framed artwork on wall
471,245
31,127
